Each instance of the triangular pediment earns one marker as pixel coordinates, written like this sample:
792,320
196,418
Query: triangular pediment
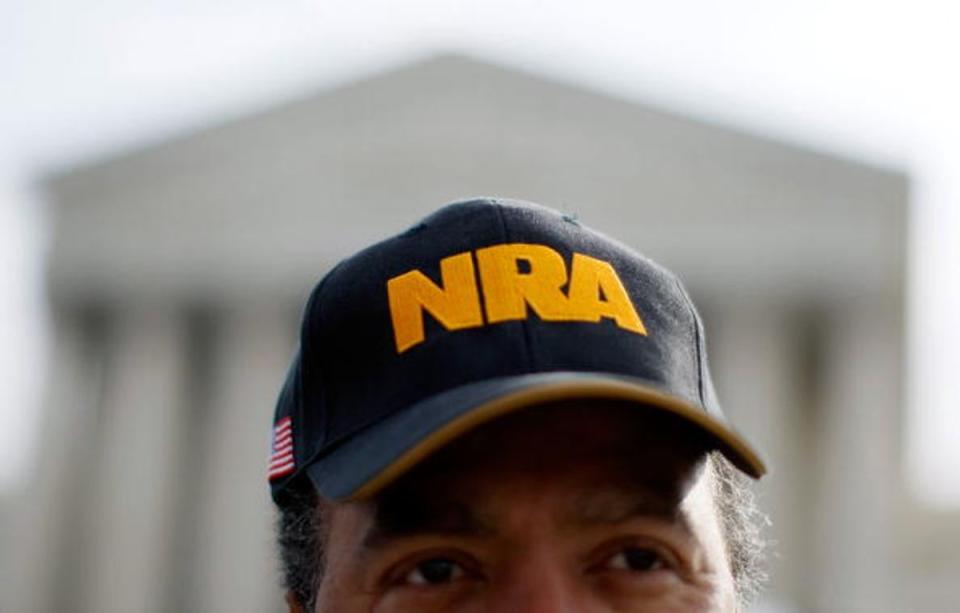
295,187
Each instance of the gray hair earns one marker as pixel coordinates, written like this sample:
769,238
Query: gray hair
743,524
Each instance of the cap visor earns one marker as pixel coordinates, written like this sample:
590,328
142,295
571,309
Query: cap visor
373,458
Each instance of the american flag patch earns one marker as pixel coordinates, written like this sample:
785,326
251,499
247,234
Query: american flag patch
281,452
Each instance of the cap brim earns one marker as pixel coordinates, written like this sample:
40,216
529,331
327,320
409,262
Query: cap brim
373,458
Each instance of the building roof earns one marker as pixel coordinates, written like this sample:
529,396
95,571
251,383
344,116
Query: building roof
269,201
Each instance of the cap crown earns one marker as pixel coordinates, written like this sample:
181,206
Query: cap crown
483,289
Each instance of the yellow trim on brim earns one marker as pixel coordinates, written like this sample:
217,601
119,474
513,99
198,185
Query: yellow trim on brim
745,458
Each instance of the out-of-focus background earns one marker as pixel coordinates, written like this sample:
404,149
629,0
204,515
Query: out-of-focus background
175,177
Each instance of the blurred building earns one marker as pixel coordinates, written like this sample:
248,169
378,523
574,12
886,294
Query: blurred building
177,273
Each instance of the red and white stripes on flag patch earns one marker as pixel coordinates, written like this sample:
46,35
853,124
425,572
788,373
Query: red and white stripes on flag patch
281,454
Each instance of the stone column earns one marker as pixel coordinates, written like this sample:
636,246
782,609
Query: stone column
857,444
757,362
236,568
133,489
47,537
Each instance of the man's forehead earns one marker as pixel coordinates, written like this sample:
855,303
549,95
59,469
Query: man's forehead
605,501
590,507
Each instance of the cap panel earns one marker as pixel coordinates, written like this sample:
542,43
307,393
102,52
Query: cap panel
310,413
708,395
665,354
304,405
366,376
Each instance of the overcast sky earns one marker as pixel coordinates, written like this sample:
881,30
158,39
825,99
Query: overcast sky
871,80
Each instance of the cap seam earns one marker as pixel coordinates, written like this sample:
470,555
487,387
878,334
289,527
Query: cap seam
696,338
527,344
321,317
310,454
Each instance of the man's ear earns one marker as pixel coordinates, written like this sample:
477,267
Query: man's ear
293,605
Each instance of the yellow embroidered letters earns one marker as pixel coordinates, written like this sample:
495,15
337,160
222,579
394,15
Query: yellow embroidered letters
512,276
589,279
507,291
456,305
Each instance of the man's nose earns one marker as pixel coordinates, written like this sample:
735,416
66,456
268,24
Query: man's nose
537,583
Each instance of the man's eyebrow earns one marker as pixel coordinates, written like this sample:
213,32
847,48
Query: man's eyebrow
613,506
398,518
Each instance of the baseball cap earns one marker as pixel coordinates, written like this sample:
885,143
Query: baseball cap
485,307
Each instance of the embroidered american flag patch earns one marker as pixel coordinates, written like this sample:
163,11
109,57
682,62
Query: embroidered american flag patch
281,451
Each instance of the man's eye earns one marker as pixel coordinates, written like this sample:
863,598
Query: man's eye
433,572
637,559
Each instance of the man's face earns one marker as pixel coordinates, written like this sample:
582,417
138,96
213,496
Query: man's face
563,509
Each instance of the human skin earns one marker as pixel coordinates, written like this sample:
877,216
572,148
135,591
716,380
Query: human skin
568,508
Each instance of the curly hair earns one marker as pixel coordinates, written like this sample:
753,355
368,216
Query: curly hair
301,537
743,524
301,534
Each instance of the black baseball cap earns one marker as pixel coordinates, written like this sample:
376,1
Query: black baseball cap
485,307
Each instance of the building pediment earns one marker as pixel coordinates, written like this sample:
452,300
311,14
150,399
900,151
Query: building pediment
269,201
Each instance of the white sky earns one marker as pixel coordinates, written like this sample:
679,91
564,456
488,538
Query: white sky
870,79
